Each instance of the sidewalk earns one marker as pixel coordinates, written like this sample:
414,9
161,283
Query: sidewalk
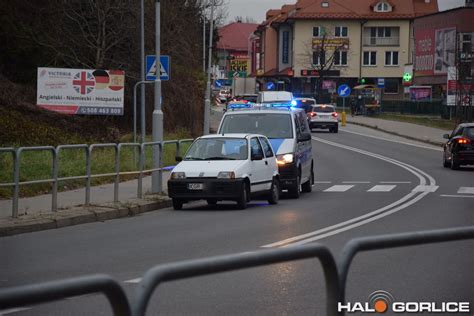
411,131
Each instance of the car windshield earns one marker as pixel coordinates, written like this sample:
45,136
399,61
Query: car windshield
218,149
272,125
249,98
323,109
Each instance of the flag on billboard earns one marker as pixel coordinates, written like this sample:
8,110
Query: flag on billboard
83,82
102,79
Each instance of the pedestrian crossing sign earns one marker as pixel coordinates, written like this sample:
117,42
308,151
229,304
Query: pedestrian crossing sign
150,73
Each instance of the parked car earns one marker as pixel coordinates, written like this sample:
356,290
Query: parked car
223,96
233,167
459,149
289,134
323,116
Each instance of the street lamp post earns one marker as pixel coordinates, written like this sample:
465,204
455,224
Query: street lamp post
207,102
157,134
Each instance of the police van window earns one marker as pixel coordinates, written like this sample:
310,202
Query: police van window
297,127
255,147
266,147
303,122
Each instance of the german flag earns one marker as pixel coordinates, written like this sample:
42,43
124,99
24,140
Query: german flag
102,79
117,80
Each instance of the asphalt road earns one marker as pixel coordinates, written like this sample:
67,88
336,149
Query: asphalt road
368,183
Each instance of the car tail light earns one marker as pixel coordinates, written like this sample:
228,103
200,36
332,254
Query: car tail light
463,141
334,114
312,114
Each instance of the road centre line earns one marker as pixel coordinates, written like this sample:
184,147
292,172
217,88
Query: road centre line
393,141
355,182
322,182
396,206
457,196
394,182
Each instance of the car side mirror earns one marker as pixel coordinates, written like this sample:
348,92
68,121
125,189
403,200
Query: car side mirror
178,158
304,137
258,156
446,136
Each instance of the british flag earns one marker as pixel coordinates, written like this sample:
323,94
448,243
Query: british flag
83,82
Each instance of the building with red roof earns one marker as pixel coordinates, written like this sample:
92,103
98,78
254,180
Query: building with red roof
233,48
313,46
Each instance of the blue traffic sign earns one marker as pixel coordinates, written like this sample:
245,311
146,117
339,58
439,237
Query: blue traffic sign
344,91
270,85
150,73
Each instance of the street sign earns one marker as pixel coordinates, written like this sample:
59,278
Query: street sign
151,67
344,91
381,82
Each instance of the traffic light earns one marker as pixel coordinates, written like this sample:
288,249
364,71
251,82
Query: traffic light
362,81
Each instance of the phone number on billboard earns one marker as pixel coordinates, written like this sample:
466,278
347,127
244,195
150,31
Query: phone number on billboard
100,111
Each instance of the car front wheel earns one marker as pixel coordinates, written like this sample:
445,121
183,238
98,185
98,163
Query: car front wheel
177,204
242,201
274,194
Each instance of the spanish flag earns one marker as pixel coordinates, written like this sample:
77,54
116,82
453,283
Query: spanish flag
117,80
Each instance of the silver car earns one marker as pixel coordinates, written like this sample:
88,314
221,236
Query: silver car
323,116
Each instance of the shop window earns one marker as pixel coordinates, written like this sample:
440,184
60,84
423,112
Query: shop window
391,86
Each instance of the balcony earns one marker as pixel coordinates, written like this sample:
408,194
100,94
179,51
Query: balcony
382,41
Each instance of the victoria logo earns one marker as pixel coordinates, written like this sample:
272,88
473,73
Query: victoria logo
382,301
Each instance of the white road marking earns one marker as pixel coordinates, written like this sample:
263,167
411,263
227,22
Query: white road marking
394,141
457,196
466,190
137,280
339,188
425,188
356,182
318,182
395,182
382,188
13,310
394,207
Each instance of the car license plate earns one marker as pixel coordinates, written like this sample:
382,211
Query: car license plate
195,186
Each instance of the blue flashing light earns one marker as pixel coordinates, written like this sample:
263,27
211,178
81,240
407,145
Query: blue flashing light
240,105
293,103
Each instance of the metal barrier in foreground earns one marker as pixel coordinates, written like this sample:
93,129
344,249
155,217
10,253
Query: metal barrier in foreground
335,272
57,290
54,180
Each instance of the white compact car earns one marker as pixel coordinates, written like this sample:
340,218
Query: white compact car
233,167
323,116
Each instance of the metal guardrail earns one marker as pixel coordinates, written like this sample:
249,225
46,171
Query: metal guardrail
335,272
54,180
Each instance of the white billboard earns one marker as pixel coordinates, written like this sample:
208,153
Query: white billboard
81,91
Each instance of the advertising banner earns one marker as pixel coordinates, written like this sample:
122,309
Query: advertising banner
331,43
420,93
81,91
435,51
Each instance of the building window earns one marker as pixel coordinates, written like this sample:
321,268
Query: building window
285,47
391,58
325,4
340,58
382,36
319,58
317,31
340,31
382,7
391,86
370,59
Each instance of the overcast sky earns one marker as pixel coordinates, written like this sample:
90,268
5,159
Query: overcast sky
256,9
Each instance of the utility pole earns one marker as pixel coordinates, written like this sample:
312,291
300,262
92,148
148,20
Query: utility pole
207,102
204,43
157,135
142,69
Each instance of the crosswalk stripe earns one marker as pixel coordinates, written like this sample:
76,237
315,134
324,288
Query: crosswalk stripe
425,188
137,280
339,188
466,190
381,188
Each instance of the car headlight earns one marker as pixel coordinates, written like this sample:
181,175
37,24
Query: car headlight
178,175
226,175
284,159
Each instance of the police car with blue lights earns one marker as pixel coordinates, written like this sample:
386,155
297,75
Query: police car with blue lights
233,167
287,129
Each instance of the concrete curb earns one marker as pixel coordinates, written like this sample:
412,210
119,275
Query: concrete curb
80,215
398,134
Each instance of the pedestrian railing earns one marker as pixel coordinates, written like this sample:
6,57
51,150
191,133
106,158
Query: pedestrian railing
335,272
54,180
